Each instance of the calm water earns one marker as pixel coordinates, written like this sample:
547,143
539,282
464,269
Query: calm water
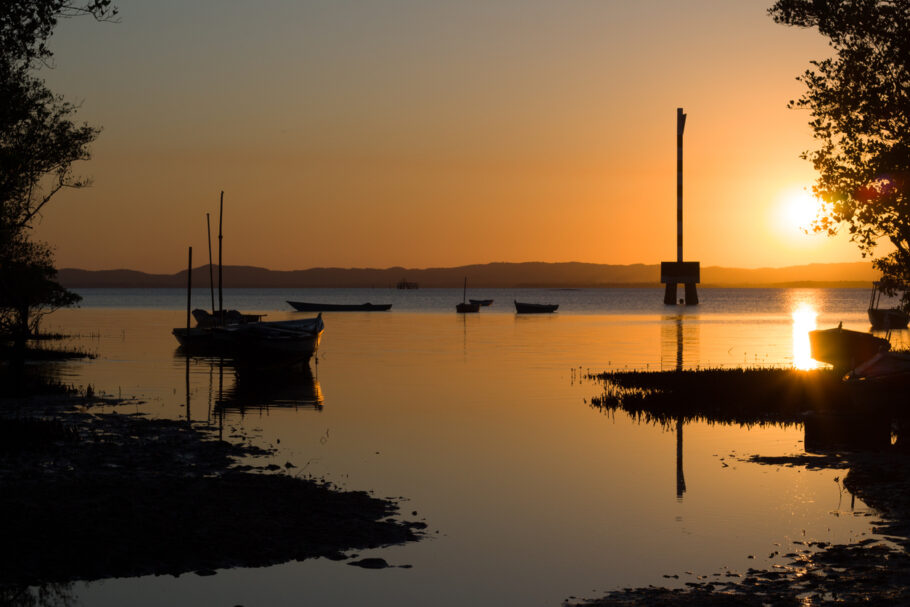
482,424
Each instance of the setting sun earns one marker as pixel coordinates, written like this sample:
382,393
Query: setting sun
798,209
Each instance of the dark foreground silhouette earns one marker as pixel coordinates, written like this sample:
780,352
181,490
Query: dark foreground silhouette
88,497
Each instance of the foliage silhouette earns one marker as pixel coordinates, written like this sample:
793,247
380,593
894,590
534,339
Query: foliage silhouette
39,143
859,103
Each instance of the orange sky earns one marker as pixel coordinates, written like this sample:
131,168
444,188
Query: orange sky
430,134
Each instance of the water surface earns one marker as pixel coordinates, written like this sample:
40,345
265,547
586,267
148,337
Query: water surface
482,425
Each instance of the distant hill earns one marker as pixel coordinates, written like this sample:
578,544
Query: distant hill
504,275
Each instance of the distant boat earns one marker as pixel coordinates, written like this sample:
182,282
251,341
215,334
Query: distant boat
466,307
885,318
288,339
534,308
303,306
481,302
404,284
843,348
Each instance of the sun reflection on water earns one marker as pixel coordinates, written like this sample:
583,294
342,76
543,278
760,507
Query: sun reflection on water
804,320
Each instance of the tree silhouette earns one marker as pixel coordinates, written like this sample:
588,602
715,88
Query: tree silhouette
39,142
859,103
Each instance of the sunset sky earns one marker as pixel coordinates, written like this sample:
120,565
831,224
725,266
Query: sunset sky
425,134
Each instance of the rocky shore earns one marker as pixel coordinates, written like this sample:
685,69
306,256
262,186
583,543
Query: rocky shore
90,495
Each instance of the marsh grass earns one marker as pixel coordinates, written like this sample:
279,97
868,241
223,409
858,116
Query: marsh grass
745,396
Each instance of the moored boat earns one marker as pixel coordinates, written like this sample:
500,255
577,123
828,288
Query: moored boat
303,306
534,308
292,339
885,318
466,307
843,348
481,302
882,382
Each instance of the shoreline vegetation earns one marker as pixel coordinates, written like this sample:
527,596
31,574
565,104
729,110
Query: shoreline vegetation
873,571
90,492
491,275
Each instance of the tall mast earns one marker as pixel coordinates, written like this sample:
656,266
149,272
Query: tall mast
208,229
220,282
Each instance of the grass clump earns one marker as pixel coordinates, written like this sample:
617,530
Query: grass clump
745,396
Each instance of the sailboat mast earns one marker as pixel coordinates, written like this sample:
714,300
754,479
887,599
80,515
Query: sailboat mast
208,228
220,282
189,290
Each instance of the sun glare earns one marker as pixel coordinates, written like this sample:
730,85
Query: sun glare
798,209
804,320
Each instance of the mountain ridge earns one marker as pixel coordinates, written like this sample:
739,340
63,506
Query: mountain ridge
496,274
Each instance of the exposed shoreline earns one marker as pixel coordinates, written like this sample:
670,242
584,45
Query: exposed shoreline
96,495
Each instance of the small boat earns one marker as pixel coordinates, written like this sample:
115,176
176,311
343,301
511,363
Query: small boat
881,382
534,308
481,302
885,318
843,348
303,306
467,307
293,339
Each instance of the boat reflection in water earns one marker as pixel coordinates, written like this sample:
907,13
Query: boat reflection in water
827,432
241,386
262,388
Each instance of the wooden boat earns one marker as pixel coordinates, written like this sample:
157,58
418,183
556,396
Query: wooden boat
481,302
290,339
885,318
303,306
466,307
843,348
534,308
882,382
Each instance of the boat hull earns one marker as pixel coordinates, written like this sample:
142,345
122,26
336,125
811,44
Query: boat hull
843,348
467,308
888,318
303,306
881,383
481,302
288,340
533,308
